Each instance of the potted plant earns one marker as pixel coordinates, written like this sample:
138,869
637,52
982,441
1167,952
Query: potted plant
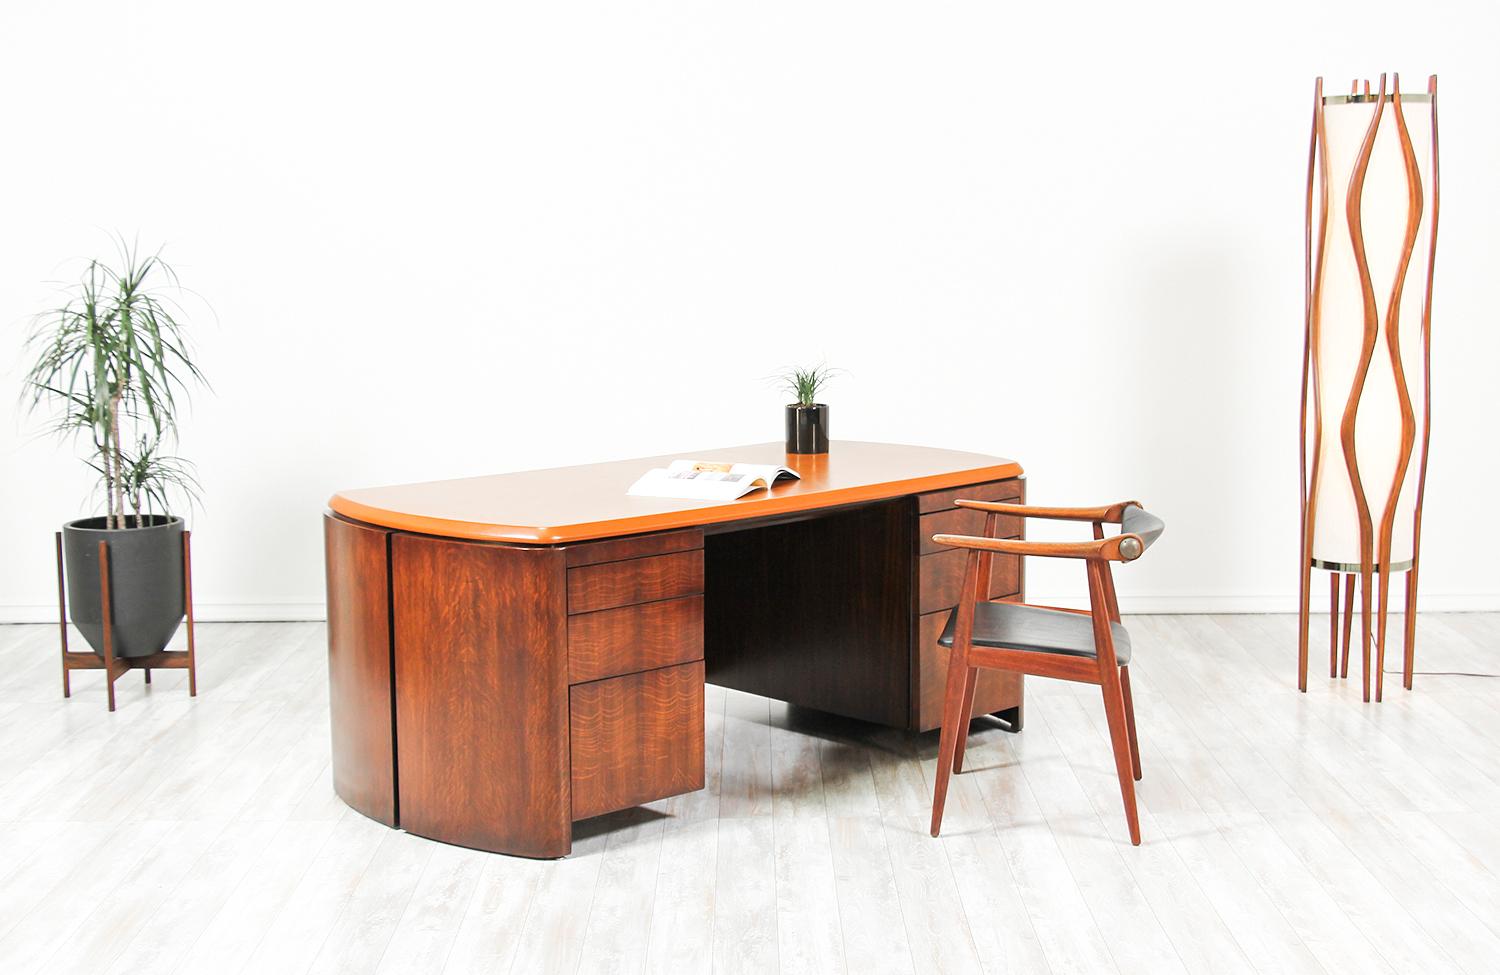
112,363
806,418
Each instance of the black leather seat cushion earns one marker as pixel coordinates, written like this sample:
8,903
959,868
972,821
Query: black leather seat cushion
1012,627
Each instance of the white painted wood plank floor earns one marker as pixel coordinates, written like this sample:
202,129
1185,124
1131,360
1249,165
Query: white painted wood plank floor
1283,833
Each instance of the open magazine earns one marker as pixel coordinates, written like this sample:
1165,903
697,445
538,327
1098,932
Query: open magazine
699,480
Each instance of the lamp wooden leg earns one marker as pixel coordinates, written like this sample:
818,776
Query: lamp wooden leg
1303,622
1366,592
1348,622
1135,747
1119,736
954,726
62,617
1333,624
1409,645
966,710
1385,601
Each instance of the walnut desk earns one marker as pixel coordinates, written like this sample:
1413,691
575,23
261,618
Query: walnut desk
510,654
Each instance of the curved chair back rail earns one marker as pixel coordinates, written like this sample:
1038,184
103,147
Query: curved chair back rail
1044,641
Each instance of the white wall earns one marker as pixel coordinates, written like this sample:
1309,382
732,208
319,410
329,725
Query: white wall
454,238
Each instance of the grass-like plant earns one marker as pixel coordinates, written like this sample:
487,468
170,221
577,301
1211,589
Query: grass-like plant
114,362
803,385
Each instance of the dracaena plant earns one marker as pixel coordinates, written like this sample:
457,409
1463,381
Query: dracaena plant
803,385
113,364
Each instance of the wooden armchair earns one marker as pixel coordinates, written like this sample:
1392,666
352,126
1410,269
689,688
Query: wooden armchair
1089,646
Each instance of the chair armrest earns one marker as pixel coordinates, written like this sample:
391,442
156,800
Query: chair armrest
1118,548
1113,513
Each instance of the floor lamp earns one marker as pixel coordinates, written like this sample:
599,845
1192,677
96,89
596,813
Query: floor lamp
1372,217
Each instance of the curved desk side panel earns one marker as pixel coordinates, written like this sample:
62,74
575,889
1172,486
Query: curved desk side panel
481,683
360,703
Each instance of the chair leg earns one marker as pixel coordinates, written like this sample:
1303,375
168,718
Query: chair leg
965,713
1119,735
1135,748
955,726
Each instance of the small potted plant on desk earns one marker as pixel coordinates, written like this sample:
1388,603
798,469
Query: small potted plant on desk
112,363
806,418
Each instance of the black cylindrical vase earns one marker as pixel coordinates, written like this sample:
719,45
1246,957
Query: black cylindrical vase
145,581
806,429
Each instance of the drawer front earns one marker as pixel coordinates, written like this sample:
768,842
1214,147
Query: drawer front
960,521
633,547
611,584
610,642
993,491
941,578
636,738
997,690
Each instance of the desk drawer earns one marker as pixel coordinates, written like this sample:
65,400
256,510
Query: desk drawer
997,690
633,547
993,491
636,738
611,584
941,578
960,521
610,642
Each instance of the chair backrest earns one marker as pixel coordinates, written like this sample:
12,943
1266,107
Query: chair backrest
1135,520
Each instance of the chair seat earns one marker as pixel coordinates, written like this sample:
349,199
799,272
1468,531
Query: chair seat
1011,626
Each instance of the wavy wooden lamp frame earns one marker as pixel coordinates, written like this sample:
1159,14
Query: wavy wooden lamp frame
1374,542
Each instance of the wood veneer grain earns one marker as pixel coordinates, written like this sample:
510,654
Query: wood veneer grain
996,690
627,639
611,584
1006,490
634,547
941,576
482,694
817,613
636,738
959,521
360,703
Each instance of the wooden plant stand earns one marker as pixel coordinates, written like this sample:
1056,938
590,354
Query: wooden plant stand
115,666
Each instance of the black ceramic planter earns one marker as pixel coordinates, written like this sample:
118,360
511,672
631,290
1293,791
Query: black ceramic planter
806,429
145,580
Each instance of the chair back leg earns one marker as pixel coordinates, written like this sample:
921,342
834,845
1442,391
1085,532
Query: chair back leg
1135,747
1114,696
1119,735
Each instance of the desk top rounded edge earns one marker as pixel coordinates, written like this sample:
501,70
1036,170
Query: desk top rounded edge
528,511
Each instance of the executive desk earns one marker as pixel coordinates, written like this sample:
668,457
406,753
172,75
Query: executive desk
510,654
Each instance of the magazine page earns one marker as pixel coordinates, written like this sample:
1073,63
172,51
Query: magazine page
695,485
707,480
770,473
